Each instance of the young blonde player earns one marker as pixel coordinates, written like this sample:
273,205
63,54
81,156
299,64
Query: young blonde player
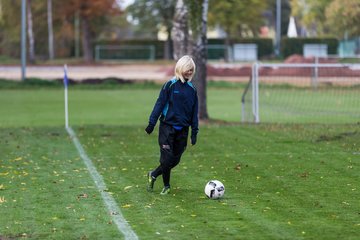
177,108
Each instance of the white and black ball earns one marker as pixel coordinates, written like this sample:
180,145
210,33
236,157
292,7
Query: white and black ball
214,189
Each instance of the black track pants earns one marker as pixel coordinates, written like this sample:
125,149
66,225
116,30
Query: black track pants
172,145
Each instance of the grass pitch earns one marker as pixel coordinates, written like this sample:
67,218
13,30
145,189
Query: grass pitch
283,181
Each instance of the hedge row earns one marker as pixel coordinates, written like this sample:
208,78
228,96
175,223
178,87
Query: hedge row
265,46
159,45
291,46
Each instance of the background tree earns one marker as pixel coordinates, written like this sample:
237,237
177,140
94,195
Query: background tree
93,16
311,14
198,11
96,16
50,29
238,18
30,32
10,28
1,14
343,18
153,15
180,31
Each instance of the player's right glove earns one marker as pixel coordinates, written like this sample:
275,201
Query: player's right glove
149,129
193,138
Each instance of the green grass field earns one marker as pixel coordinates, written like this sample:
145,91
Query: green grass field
283,181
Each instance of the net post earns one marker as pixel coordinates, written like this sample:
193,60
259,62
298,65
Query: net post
315,75
255,91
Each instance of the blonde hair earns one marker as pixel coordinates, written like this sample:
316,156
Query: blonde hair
183,65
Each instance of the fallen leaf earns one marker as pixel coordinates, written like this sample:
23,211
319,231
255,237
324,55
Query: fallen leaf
83,195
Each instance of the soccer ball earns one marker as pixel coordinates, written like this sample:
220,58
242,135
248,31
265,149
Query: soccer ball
214,189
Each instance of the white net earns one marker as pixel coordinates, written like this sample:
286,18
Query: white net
303,93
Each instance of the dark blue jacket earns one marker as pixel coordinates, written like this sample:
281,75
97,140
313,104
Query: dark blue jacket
177,105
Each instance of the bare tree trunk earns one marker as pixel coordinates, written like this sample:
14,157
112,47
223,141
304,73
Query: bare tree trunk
77,34
180,31
50,29
30,33
200,55
1,12
86,40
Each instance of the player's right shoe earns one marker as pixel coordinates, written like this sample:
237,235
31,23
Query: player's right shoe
165,191
150,183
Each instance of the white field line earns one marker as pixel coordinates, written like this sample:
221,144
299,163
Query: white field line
109,201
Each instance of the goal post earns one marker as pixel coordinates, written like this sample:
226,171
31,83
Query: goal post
302,93
124,52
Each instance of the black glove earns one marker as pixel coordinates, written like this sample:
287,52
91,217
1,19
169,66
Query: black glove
149,129
193,138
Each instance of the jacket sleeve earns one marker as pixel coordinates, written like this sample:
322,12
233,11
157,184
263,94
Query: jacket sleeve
195,119
160,104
